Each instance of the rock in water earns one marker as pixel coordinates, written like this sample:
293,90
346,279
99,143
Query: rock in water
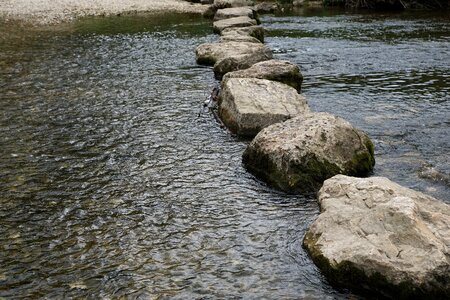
245,21
240,62
253,31
247,105
227,13
276,70
299,154
376,236
210,53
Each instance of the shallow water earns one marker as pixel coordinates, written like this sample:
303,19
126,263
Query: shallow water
113,184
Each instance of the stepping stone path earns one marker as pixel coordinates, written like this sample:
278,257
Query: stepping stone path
372,236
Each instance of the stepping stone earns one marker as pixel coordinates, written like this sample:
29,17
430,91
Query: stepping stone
248,105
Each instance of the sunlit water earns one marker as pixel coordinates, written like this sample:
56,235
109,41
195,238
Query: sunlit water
114,184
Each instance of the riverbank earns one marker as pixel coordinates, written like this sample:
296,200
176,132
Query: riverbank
42,12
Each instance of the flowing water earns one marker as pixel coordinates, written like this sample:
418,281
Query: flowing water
114,184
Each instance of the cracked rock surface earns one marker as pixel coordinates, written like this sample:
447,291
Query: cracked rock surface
376,235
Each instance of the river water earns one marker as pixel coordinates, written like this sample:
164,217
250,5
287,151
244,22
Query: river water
115,184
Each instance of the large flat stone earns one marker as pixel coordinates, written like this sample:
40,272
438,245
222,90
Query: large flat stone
299,154
276,70
227,13
210,53
248,105
377,237
245,21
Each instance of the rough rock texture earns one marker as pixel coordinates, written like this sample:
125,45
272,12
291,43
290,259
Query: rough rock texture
227,13
376,236
247,105
253,31
220,25
276,70
243,61
299,154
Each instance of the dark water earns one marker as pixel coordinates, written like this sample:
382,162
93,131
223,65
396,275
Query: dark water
112,185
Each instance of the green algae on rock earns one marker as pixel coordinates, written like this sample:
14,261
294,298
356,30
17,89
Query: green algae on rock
299,154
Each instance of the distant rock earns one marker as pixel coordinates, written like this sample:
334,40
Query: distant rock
219,26
276,70
228,13
253,31
266,7
299,154
248,105
233,3
377,237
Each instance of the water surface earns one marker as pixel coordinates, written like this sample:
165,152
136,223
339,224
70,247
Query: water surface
114,184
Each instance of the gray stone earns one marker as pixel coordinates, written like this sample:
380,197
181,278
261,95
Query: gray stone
253,31
238,38
241,61
210,53
266,7
299,154
276,70
227,13
247,105
376,236
245,21
233,3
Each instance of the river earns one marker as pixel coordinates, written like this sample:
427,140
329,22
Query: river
114,183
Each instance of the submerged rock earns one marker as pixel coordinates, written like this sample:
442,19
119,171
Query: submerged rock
276,70
253,31
245,21
247,105
210,53
300,153
227,13
376,236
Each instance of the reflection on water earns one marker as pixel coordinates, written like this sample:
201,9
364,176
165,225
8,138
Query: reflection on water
112,185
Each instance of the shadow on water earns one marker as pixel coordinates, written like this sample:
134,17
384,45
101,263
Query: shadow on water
112,185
